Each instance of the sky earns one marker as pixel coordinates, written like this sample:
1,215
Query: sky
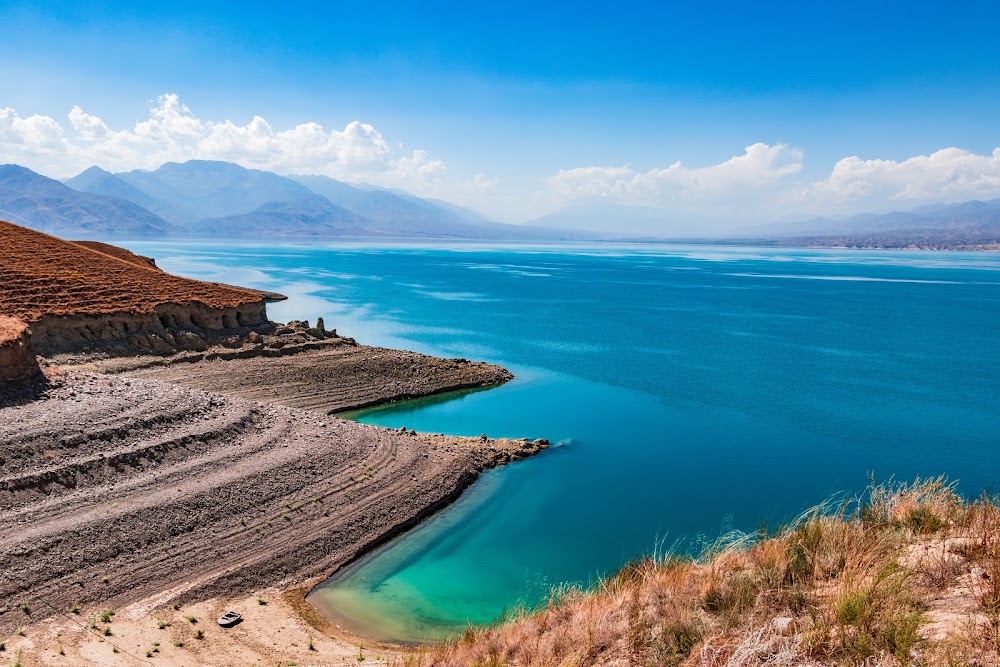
715,114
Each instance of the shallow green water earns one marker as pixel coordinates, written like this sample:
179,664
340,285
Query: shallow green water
692,390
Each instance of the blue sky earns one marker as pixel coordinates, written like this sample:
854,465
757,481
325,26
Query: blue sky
506,102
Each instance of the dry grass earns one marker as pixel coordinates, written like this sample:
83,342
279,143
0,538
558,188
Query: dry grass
42,275
905,575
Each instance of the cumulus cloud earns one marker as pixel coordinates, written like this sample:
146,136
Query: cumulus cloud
765,183
172,132
759,166
947,175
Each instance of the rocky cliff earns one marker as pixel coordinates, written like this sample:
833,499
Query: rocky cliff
17,358
98,298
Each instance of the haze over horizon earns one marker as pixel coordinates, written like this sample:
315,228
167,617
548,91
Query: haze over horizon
707,115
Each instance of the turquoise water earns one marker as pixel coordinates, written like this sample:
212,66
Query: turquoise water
691,390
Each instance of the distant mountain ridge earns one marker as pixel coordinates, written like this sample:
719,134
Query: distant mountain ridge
221,198
44,204
209,197
967,225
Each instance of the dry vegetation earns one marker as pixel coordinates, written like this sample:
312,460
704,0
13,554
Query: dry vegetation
43,275
120,253
907,575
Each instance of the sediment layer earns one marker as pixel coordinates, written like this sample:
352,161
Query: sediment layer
17,358
114,489
328,376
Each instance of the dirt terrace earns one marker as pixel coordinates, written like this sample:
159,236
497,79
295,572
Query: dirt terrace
116,489
43,276
336,376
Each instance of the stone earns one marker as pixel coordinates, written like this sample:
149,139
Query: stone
253,337
783,625
320,324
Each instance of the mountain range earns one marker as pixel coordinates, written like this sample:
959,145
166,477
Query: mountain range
210,197
221,198
966,225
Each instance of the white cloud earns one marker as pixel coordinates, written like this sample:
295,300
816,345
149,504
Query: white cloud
947,175
759,167
172,132
765,183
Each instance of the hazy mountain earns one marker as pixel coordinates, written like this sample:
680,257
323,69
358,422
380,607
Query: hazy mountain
407,213
45,204
399,214
207,197
933,216
608,220
100,182
968,225
200,189
313,216
462,212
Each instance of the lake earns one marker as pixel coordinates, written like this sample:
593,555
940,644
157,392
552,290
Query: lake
688,391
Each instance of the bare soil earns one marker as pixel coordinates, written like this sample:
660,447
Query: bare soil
117,489
334,376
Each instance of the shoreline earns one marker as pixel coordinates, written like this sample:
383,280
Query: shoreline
115,412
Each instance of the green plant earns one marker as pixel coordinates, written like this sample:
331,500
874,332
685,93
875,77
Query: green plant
25,607
176,606
261,601
61,650
74,608
106,615
106,631
311,645
191,619
199,634
17,660
20,631
163,625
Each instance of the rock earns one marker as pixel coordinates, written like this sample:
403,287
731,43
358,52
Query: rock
253,337
783,625
284,331
320,324
17,358
187,340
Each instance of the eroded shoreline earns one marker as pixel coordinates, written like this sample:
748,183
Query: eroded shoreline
122,488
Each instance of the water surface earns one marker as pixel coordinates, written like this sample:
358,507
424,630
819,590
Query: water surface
691,390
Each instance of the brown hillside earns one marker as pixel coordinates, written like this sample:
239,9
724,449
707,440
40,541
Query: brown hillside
120,253
41,276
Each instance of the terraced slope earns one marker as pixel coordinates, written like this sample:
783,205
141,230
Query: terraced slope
43,276
329,379
115,489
